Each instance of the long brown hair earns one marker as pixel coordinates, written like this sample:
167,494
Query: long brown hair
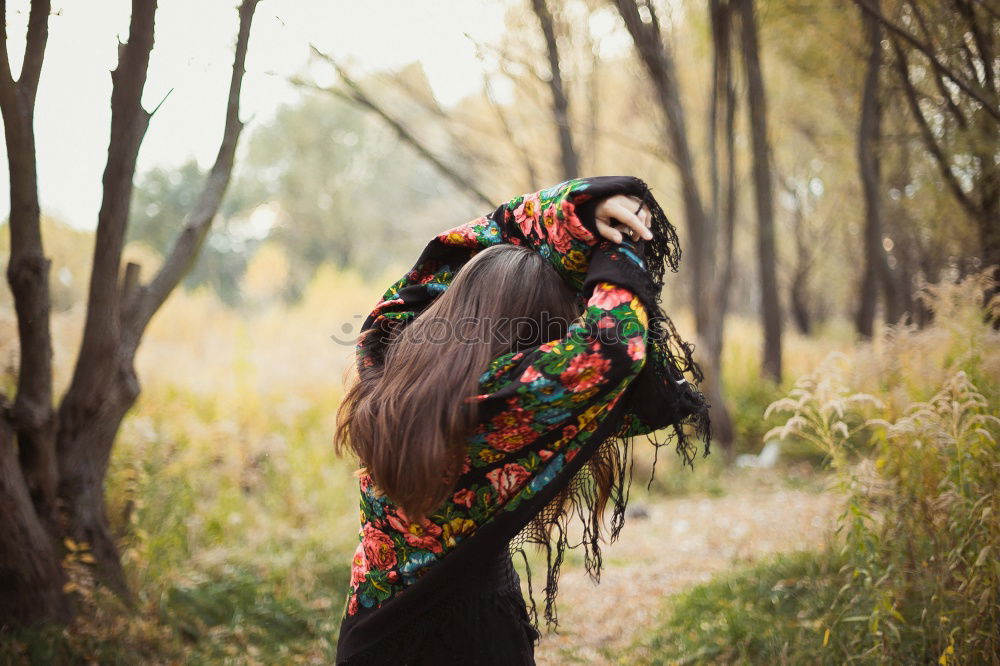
407,419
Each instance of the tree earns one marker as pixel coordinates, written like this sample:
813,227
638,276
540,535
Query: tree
708,300
55,487
560,104
876,266
946,65
764,192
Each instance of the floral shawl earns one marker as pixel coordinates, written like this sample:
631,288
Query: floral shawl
544,413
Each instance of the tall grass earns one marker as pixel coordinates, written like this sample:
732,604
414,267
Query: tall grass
908,427
235,520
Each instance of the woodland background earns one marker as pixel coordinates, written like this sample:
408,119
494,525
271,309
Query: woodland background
170,376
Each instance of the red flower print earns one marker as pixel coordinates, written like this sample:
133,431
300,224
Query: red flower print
352,607
512,418
545,454
359,566
530,375
507,480
573,224
512,439
571,454
384,305
604,322
526,215
511,430
378,547
569,431
463,236
420,535
466,464
607,296
585,371
465,497
636,348
557,232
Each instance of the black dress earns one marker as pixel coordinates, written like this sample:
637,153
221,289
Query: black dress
483,622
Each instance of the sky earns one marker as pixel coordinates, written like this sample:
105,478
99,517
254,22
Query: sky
192,60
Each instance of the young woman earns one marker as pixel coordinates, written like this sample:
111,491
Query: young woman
499,384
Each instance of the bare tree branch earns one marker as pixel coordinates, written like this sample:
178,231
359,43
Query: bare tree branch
903,68
34,53
34,50
990,10
199,220
983,40
357,95
5,74
129,122
991,107
939,82
467,152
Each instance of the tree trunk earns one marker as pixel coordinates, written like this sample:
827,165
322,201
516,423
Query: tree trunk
87,427
657,58
104,384
763,189
100,393
706,301
560,103
28,270
868,147
31,577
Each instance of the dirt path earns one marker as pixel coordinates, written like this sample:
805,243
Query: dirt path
682,542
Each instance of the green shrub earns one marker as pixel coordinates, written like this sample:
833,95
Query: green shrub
914,575
771,613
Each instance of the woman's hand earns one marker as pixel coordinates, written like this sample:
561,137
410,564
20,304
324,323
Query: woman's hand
621,214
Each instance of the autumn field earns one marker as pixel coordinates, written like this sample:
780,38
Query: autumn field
193,241
236,522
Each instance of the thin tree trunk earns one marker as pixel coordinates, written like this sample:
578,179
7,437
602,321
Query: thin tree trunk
33,417
560,103
869,132
722,175
657,58
799,289
102,390
763,189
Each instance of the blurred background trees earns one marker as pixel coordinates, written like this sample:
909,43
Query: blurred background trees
822,161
